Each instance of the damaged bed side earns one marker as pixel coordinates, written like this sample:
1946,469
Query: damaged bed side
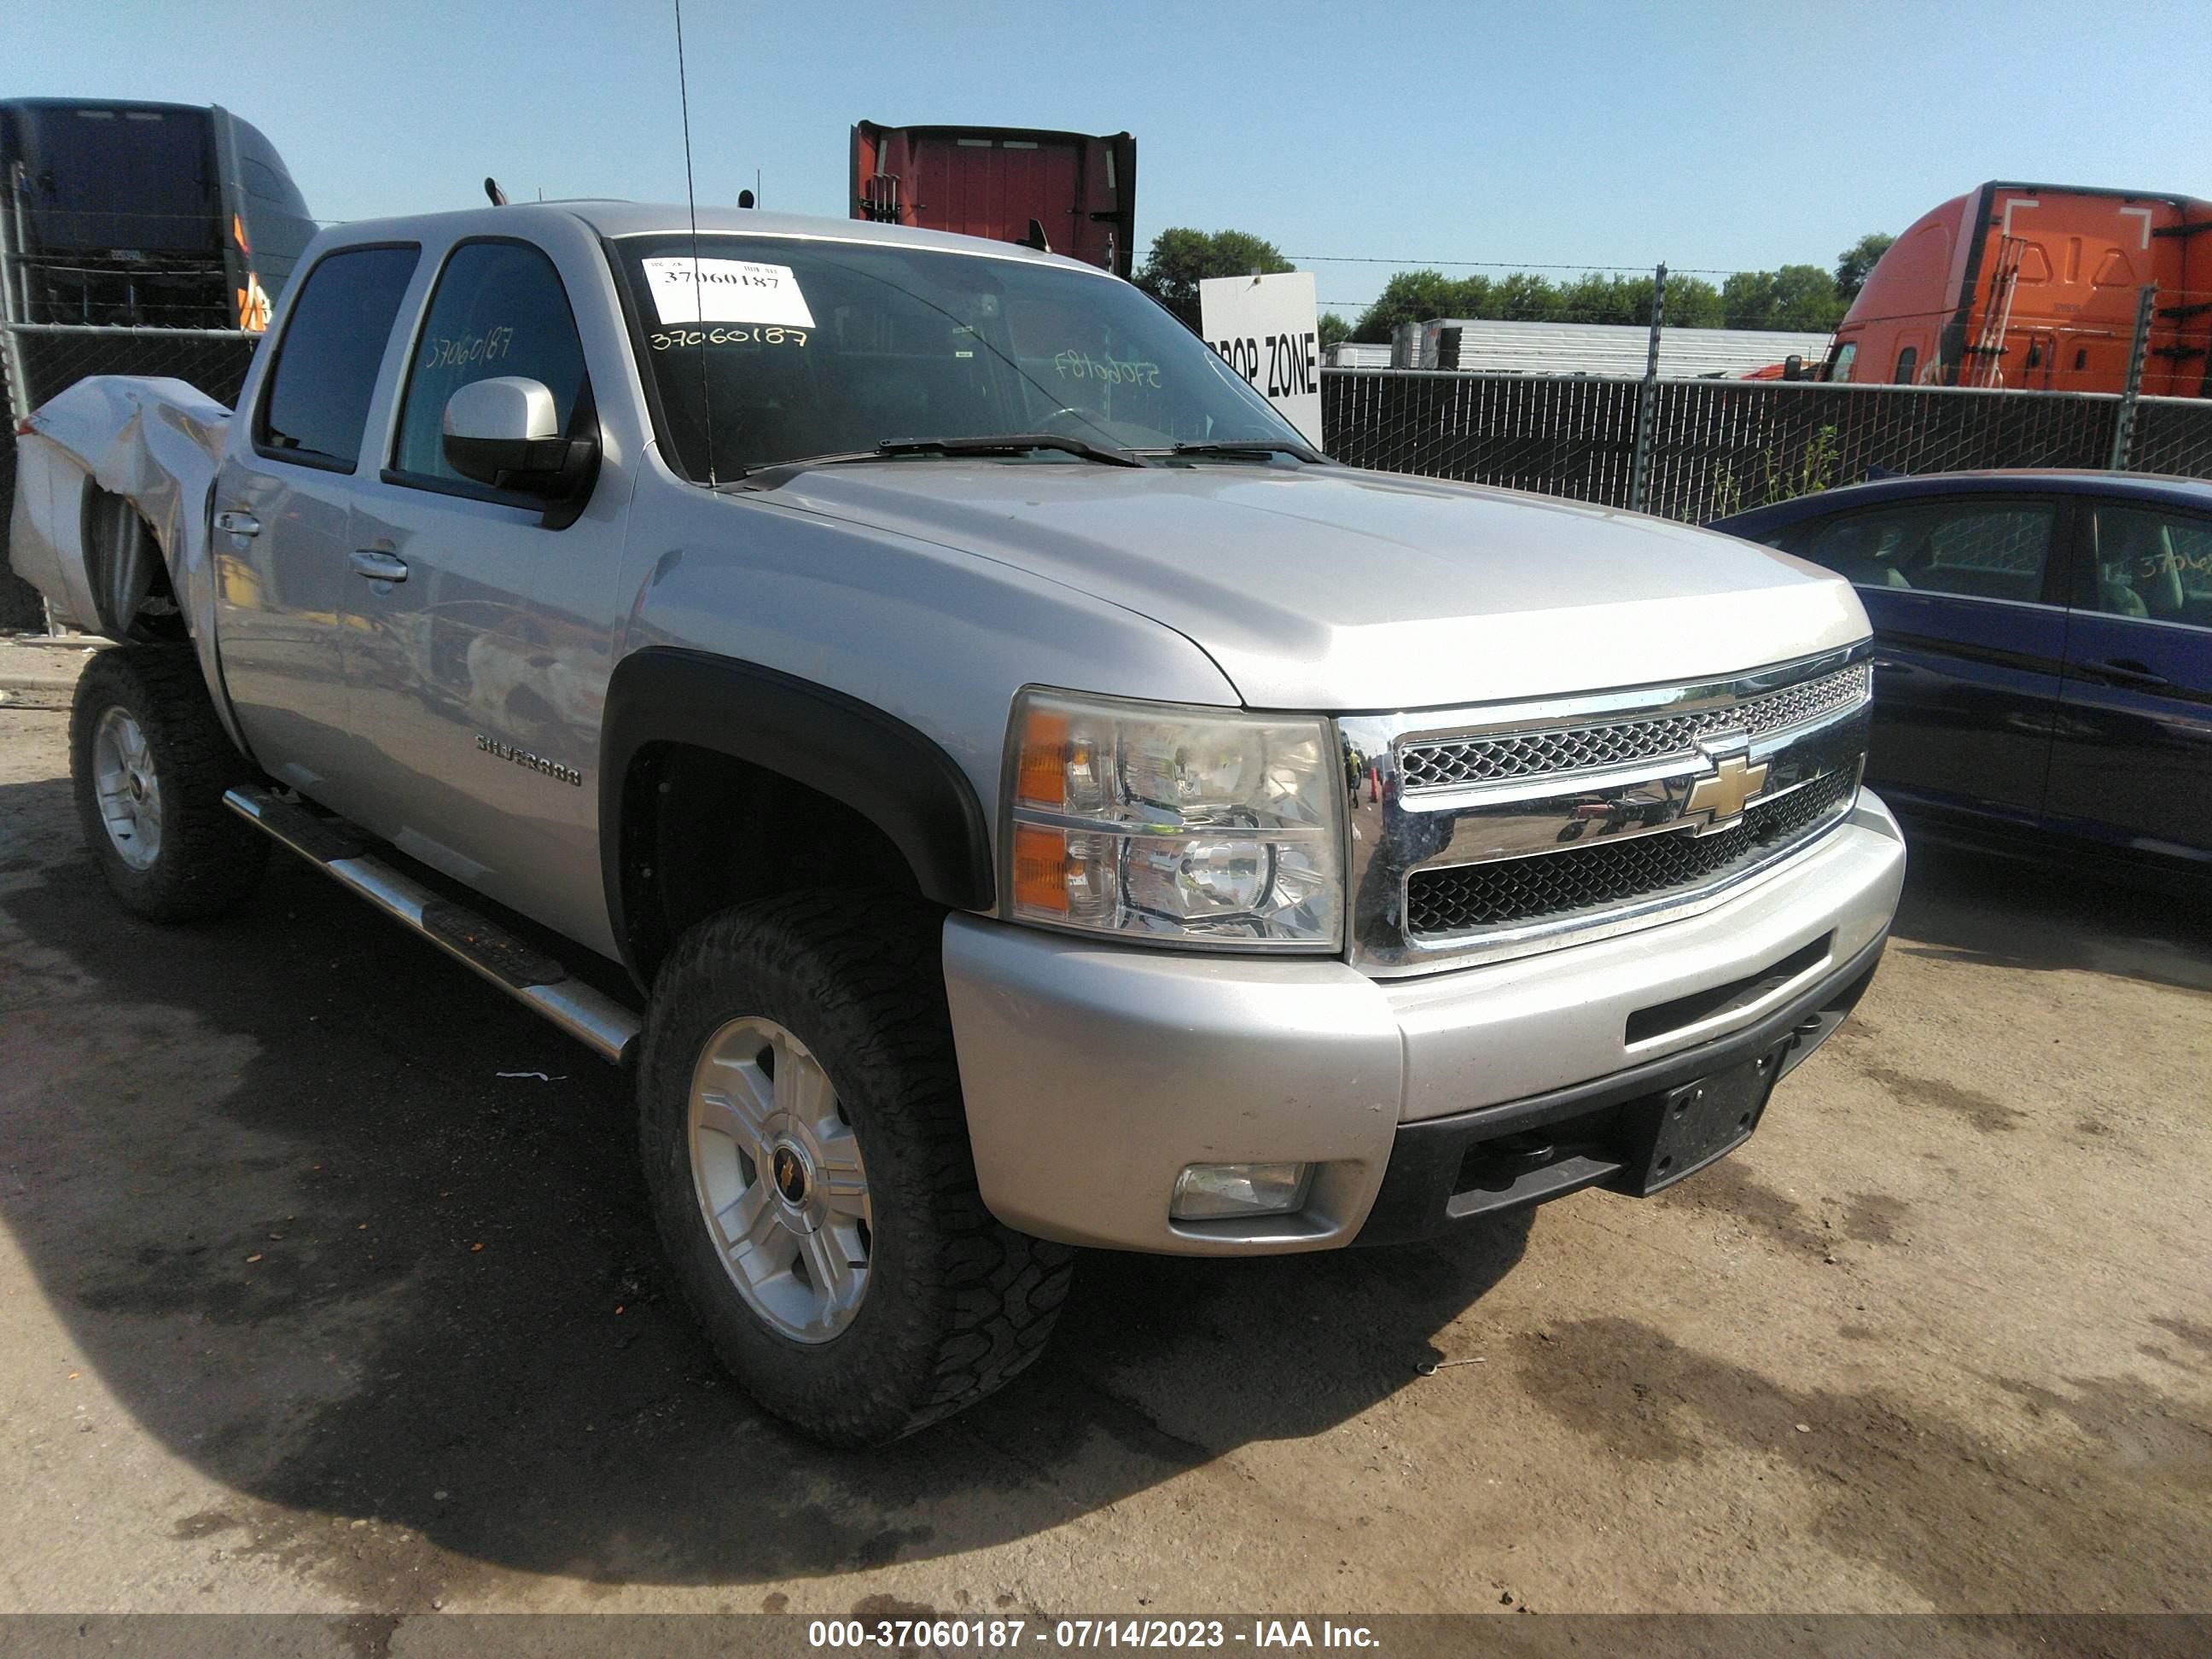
114,484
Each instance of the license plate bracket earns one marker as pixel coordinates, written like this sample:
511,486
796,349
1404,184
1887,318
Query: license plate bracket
1697,1121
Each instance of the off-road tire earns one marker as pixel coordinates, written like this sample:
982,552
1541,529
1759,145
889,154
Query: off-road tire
956,1303
209,861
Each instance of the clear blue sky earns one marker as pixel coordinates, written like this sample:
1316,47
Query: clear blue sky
1719,135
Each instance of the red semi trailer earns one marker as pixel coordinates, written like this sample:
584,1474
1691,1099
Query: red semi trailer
1070,192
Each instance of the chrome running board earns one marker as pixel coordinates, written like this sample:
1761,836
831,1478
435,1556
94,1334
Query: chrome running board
525,973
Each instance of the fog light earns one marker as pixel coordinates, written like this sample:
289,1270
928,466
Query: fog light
1213,1192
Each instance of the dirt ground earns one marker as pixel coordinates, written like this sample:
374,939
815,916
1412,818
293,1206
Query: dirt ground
325,1284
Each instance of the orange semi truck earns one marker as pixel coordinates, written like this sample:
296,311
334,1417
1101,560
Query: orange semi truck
2034,287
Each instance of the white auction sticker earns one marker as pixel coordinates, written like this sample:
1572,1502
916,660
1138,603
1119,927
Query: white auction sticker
688,291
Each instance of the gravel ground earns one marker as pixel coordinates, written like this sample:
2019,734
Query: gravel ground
315,1295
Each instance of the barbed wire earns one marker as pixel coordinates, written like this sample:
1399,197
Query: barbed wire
1405,263
1516,264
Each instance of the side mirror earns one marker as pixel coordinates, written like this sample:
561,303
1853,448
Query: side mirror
505,432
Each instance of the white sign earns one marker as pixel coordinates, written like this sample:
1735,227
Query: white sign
688,291
1267,330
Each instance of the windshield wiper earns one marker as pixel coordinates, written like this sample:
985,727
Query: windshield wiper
1251,447
1012,443
1002,443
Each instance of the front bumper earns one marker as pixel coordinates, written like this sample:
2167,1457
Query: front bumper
1450,1170
1094,1073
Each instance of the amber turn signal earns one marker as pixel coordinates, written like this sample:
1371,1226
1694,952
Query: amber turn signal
1043,765
1041,868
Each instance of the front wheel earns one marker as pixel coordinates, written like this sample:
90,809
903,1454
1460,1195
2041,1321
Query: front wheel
806,1153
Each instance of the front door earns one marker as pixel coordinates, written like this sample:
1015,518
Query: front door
1970,639
477,701
2132,765
283,523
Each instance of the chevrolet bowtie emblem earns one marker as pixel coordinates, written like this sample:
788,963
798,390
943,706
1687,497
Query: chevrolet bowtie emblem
1733,782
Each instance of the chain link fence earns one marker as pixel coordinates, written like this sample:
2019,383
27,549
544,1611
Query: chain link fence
2172,435
1720,446
41,360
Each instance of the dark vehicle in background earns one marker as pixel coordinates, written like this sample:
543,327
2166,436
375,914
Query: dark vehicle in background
1069,191
143,215
2043,675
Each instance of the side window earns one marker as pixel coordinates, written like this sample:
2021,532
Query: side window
499,309
1976,549
325,374
1907,360
1846,354
1859,547
2152,563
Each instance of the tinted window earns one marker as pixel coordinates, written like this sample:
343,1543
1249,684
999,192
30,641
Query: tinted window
326,375
1905,361
499,310
2153,563
1981,549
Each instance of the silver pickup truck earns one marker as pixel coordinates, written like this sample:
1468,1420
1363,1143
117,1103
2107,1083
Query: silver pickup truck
1002,789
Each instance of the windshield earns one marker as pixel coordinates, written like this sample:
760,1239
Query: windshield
110,176
800,349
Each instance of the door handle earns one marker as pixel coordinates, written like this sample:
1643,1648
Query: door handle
377,565
238,523
2127,671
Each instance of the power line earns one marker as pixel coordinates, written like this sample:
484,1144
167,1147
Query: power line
1504,265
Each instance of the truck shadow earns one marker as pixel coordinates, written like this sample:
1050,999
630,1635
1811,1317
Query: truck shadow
362,1242
1971,907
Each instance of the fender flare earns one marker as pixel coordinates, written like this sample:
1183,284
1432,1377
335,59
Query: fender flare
896,777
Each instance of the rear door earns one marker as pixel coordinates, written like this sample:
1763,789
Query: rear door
283,502
994,186
1970,627
2132,763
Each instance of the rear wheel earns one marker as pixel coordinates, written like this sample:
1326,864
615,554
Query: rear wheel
806,1152
149,761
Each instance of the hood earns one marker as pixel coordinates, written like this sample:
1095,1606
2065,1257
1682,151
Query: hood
1339,591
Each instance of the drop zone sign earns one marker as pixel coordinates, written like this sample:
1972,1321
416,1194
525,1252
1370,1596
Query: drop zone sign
1267,329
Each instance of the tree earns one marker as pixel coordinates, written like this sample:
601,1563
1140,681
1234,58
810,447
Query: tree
1181,259
1805,298
1599,298
1334,330
1525,297
1795,297
1855,262
1747,299
1800,297
1410,296
1692,302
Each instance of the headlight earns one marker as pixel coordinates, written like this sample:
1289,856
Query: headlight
1189,825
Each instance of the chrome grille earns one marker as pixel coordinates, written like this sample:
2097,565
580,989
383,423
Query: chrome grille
1503,893
1487,833
1595,746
